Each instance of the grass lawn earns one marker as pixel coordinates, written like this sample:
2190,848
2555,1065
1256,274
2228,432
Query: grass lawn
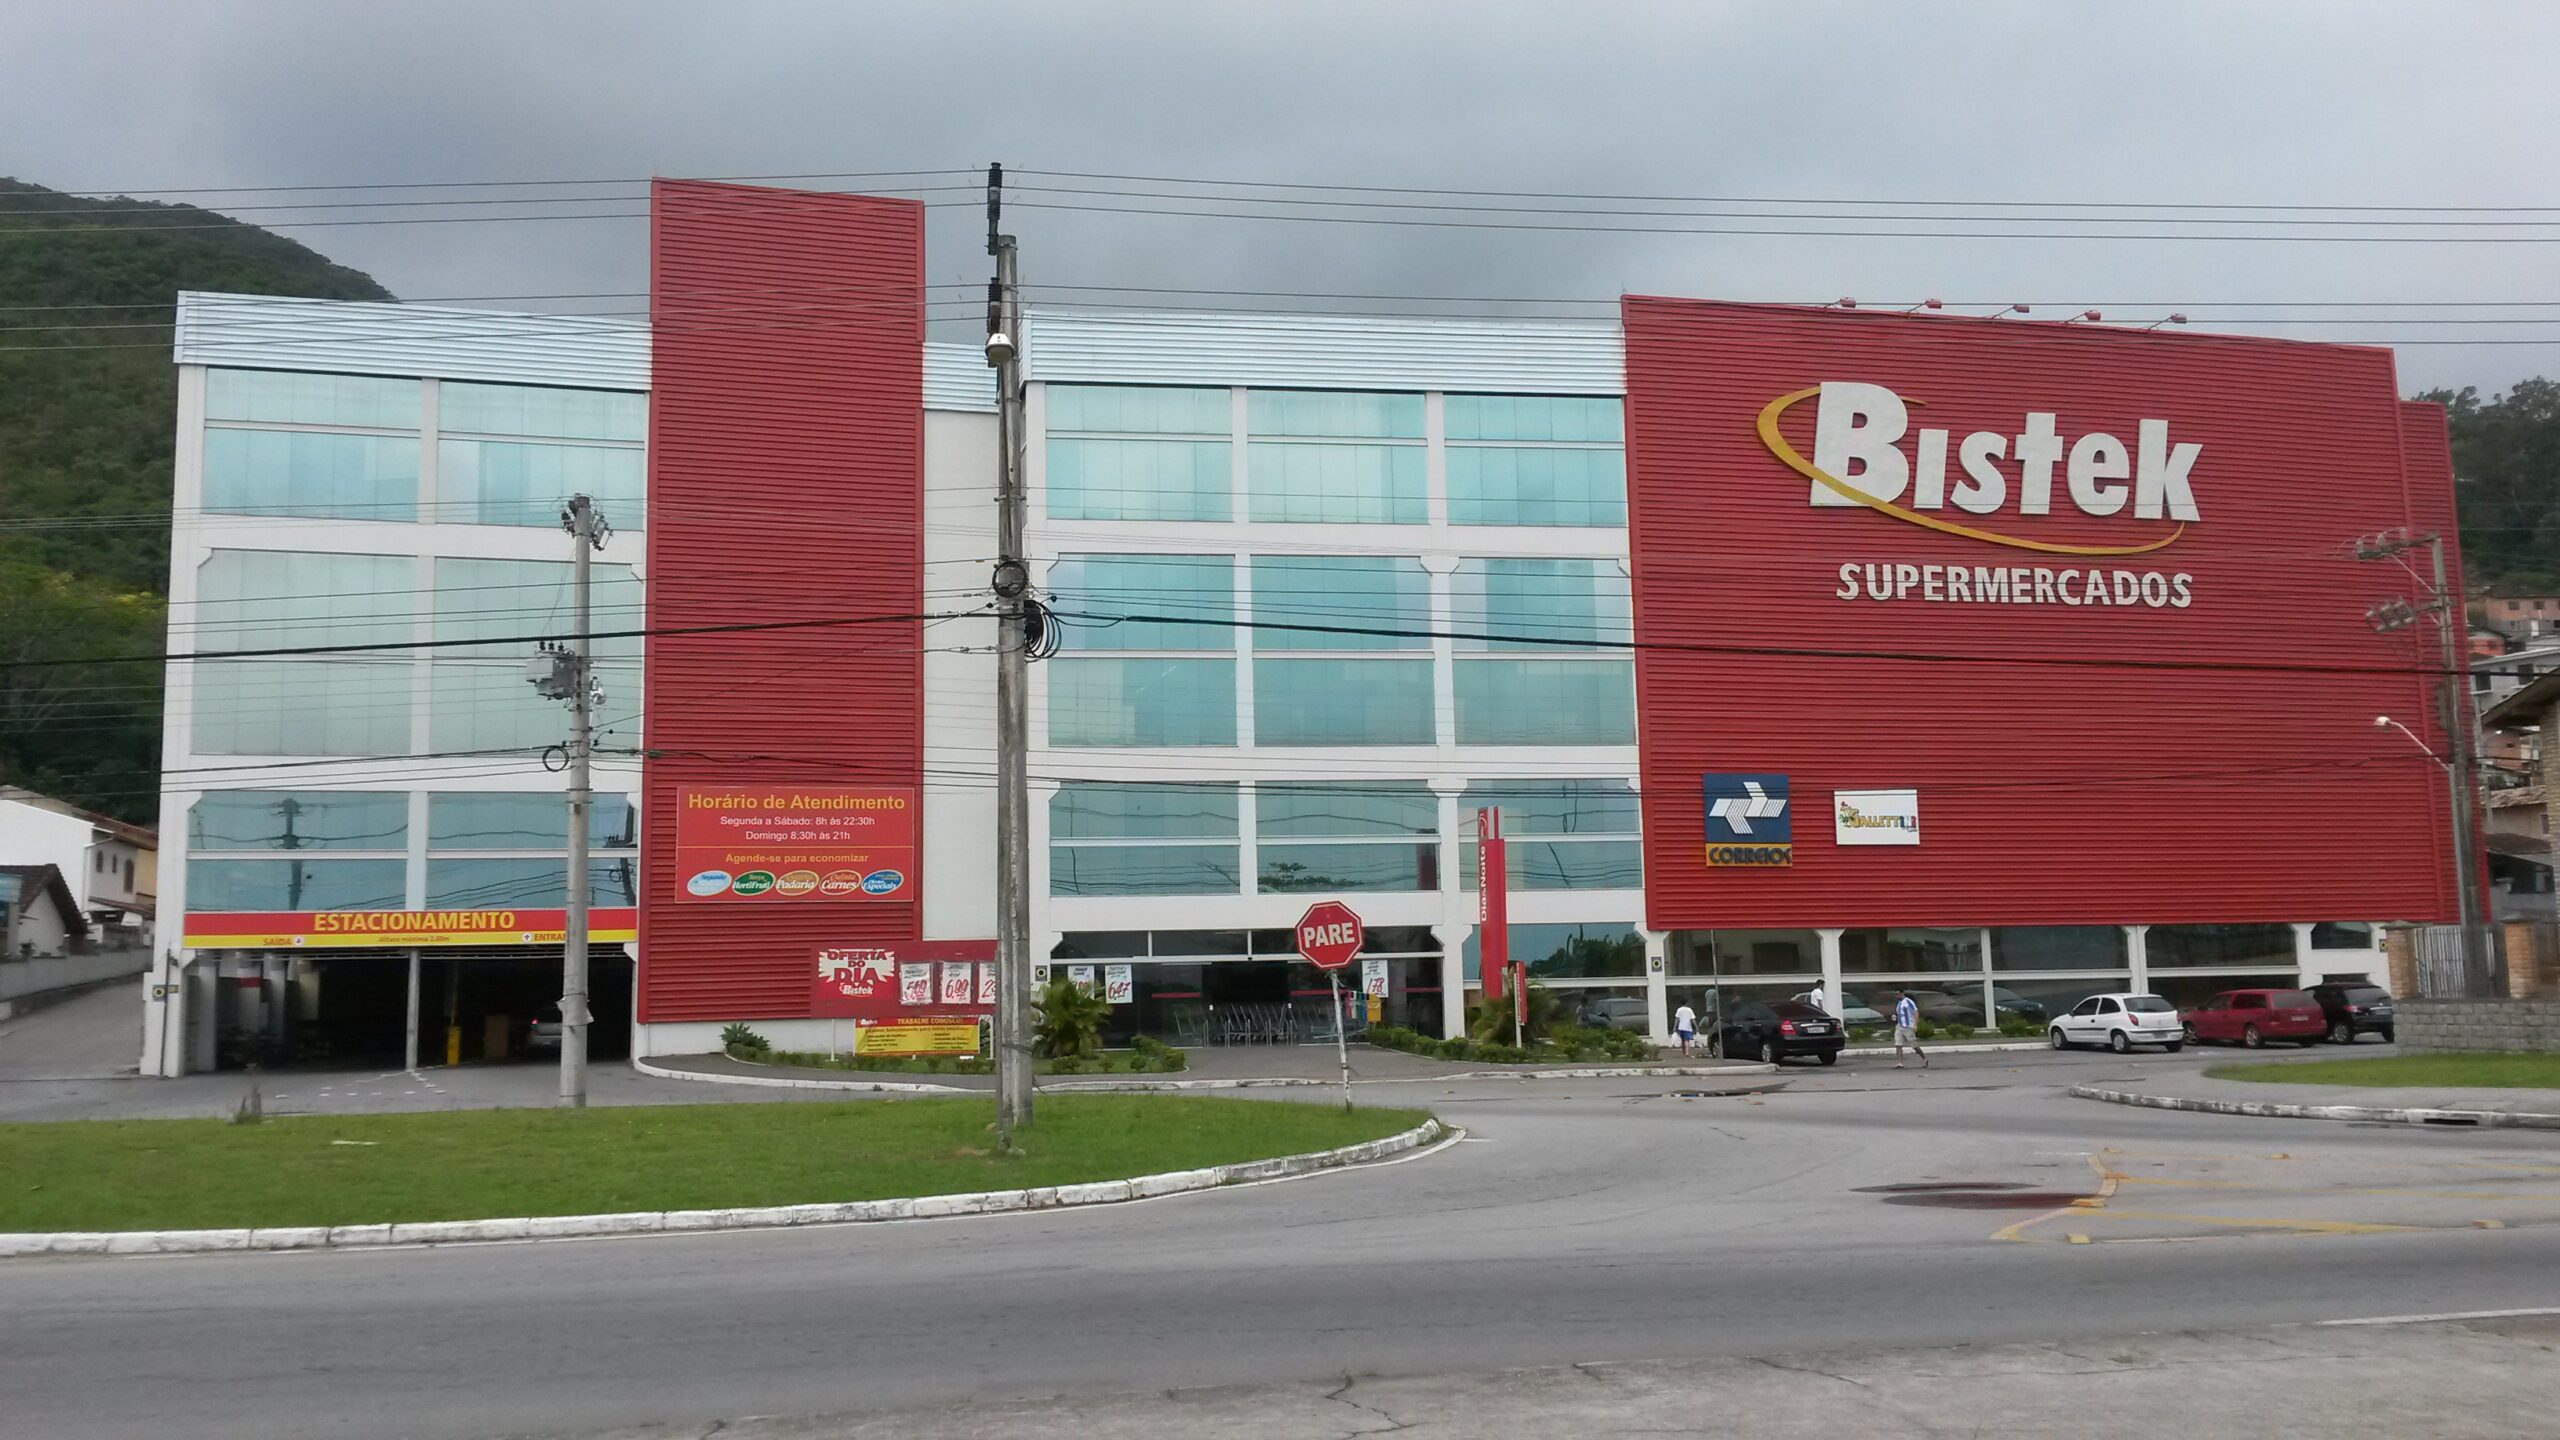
477,1164
2491,1072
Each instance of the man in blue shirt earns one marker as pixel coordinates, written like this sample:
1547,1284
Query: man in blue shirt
1906,1030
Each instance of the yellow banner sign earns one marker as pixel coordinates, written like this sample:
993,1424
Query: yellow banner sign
917,1037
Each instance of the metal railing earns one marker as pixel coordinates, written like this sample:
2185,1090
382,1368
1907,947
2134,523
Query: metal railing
2441,975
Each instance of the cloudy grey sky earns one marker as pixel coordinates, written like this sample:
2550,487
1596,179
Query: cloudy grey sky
2322,102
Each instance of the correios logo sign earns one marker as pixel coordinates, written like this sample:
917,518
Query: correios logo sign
2137,499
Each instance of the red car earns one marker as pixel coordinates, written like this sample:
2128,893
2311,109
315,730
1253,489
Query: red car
2254,1017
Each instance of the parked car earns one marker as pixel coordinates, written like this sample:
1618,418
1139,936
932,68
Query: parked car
1850,1009
1940,1008
2120,1020
1615,1012
1775,1030
2016,1006
542,1037
2354,1010
2254,1017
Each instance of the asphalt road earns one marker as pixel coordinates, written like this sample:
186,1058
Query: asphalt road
1580,1221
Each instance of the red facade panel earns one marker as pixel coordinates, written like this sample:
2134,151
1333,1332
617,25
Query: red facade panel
2426,447
2195,744
786,484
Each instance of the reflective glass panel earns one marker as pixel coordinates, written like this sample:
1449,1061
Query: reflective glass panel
1546,702
1097,700
1570,418
1491,485
297,884
1541,604
310,474
524,820
1376,592
1380,808
1340,413
1310,869
1342,702
500,884
498,482
1143,869
1105,810
1201,586
1139,410
284,397
464,408
1140,479
299,820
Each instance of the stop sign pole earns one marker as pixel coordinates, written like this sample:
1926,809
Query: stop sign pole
1329,934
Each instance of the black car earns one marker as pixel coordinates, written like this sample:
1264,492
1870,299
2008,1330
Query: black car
2355,1010
1775,1030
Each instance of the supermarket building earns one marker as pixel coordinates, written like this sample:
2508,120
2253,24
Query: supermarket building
1671,592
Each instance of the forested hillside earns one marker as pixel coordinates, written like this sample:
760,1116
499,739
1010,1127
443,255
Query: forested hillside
87,403
2506,464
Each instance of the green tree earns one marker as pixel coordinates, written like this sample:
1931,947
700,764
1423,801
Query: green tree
88,404
2506,468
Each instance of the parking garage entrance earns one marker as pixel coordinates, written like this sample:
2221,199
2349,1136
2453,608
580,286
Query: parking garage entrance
351,1009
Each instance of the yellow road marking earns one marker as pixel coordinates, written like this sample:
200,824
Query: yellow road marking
2340,1190
2268,1222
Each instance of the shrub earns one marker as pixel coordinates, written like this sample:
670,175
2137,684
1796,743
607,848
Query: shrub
2019,1025
739,1040
1453,1048
1069,1022
1955,1032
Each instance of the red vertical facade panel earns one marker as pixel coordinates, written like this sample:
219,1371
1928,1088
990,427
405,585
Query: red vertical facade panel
2426,448
786,483
2204,753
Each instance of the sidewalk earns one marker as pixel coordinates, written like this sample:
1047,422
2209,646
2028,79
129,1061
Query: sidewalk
1215,1067
2404,1104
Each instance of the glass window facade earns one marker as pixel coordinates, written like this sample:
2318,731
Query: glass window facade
2173,947
1315,701
1091,477
1377,592
297,884
1340,414
1599,950
1911,950
1545,702
1332,483
299,820
472,409
1111,701
1380,835
2059,947
1567,605
1746,952
1101,838
312,474
1560,834
506,482
478,696
1189,586
497,884
284,397
525,820
1572,471
2344,935
342,704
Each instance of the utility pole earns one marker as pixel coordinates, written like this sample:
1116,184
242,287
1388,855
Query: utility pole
1014,609
568,674
2479,971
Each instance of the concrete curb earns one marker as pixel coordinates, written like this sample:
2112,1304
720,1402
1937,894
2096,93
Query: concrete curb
793,1082
651,1222
2274,1110
1955,1047
1101,1086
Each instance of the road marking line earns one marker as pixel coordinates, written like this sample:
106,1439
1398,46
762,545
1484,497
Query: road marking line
2082,1205
2326,1190
2269,1222
2445,1316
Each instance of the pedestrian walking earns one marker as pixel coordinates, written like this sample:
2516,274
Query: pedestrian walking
1684,1023
1821,1000
1906,1030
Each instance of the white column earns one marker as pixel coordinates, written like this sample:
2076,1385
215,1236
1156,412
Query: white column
1453,977
1831,969
1657,984
2303,959
2136,953
164,1018
410,1046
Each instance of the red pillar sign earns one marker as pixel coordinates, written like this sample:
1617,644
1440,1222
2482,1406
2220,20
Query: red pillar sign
1493,903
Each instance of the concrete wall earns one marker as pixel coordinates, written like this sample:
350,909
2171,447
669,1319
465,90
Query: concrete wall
2434,1027
959,688
22,978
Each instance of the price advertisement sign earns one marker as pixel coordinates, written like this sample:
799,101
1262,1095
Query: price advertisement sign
1081,976
782,844
904,980
1119,987
1373,979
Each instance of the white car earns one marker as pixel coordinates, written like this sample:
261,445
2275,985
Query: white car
1850,1009
2120,1020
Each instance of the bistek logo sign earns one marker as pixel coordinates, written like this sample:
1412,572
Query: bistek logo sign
1859,430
